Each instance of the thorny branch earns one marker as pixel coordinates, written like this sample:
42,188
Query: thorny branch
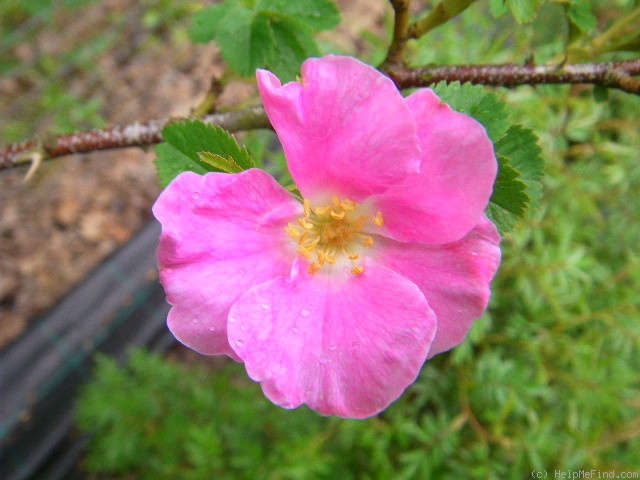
132,135
619,75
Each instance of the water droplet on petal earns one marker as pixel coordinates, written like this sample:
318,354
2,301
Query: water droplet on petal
304,312
243,327
239,343
196,195
232,319
243,271
266,306
212,329
195,320
355,345
333,347
295,329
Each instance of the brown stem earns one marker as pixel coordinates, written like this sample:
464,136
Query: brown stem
617,75
402,9
132,135
208,104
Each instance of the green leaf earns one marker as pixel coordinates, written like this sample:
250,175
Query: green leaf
236,41
525,10
185,141
316,14
520,146
206,22
475,101
498,7
509,200
581,15
262,43
171,162
218,162
274,34
600,93
293,44
517,185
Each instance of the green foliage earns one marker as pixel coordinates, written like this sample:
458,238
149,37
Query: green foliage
509,199
579,12
581,15
220,163
517,185
193,145
45,96
520,146
52,59
158,420
273,34
523,10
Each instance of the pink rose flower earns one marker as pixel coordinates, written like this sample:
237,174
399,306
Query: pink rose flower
336,301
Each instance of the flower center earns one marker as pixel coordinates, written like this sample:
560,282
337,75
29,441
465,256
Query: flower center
328,233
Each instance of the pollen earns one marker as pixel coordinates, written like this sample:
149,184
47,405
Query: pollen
378,220
334,233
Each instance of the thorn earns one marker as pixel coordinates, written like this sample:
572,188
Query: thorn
35,158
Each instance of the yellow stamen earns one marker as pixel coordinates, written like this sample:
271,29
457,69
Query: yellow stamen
292,230
304,224
348,205
359,223
321,211
303,237
338,215
332,233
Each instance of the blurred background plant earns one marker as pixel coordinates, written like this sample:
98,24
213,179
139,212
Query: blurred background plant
44,69
548,379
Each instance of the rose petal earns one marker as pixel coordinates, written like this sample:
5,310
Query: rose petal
454,277
448,197
346,346
221,234
345,130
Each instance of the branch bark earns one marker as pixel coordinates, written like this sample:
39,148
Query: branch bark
402,12
132,135
619,75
